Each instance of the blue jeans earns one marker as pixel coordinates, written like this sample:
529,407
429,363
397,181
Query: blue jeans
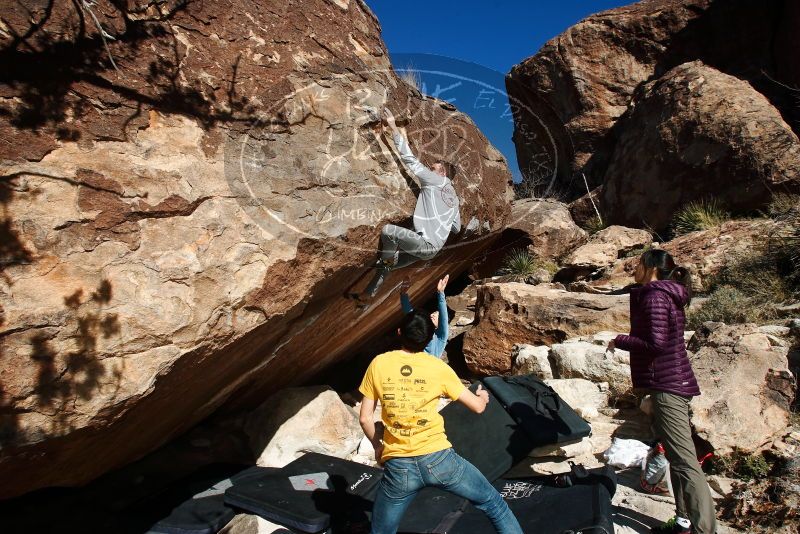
404,477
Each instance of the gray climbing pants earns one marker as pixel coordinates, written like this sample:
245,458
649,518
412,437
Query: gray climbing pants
404,246
692,496
400,247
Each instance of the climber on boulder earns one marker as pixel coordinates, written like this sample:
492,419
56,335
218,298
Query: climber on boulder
435,215
436,345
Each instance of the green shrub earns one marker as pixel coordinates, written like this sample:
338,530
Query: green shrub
594,225
725,305
698,215
520,262
749,290
742,466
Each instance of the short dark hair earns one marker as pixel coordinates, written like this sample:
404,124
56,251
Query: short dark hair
416,330
449,168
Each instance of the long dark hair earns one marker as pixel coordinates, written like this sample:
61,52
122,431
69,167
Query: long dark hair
666,269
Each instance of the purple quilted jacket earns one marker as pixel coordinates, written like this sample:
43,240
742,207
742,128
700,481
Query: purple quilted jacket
658,353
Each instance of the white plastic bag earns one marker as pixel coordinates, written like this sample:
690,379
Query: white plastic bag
626,453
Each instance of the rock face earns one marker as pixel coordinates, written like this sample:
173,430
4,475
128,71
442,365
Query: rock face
510,313
295,421
705,252
746,387
530,360
703,131
569,97
584,396
603,250
580,359
177,235
547,224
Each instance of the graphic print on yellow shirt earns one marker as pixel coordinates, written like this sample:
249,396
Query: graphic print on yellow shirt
408,387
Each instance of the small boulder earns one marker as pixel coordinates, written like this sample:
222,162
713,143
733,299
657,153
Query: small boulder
252,524
581,359
602,251
584,396
295,421
530,360
705,252
722,485
548,225
539,276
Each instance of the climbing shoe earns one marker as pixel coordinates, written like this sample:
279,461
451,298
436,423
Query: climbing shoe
381,272
671,527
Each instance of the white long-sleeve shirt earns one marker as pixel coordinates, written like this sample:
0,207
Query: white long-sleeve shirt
437,211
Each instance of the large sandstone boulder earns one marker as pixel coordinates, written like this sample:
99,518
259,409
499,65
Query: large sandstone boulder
178,235
570,95
295,421
511,313
746,387
547,225
704,133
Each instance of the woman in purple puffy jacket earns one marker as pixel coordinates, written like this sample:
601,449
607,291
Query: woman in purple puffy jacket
660,365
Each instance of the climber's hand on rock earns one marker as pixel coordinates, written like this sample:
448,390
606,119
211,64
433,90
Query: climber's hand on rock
442,283
388,119
405,285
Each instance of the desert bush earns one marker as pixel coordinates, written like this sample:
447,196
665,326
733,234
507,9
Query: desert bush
725,305
637,251
412,77
520,262
594,225
784,242
741,465
749,290
783,205
698,215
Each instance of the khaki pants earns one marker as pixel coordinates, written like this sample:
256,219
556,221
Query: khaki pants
692,495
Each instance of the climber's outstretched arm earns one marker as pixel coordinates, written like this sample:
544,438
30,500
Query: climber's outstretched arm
405,302
426,176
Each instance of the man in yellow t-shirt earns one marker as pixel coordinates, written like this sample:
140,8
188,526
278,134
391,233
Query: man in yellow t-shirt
415,451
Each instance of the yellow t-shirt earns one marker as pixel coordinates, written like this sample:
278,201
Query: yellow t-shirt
408,386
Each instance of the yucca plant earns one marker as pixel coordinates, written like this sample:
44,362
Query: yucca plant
594,225
520,262
699,215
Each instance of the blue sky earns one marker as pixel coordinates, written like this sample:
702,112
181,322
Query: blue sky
493,36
